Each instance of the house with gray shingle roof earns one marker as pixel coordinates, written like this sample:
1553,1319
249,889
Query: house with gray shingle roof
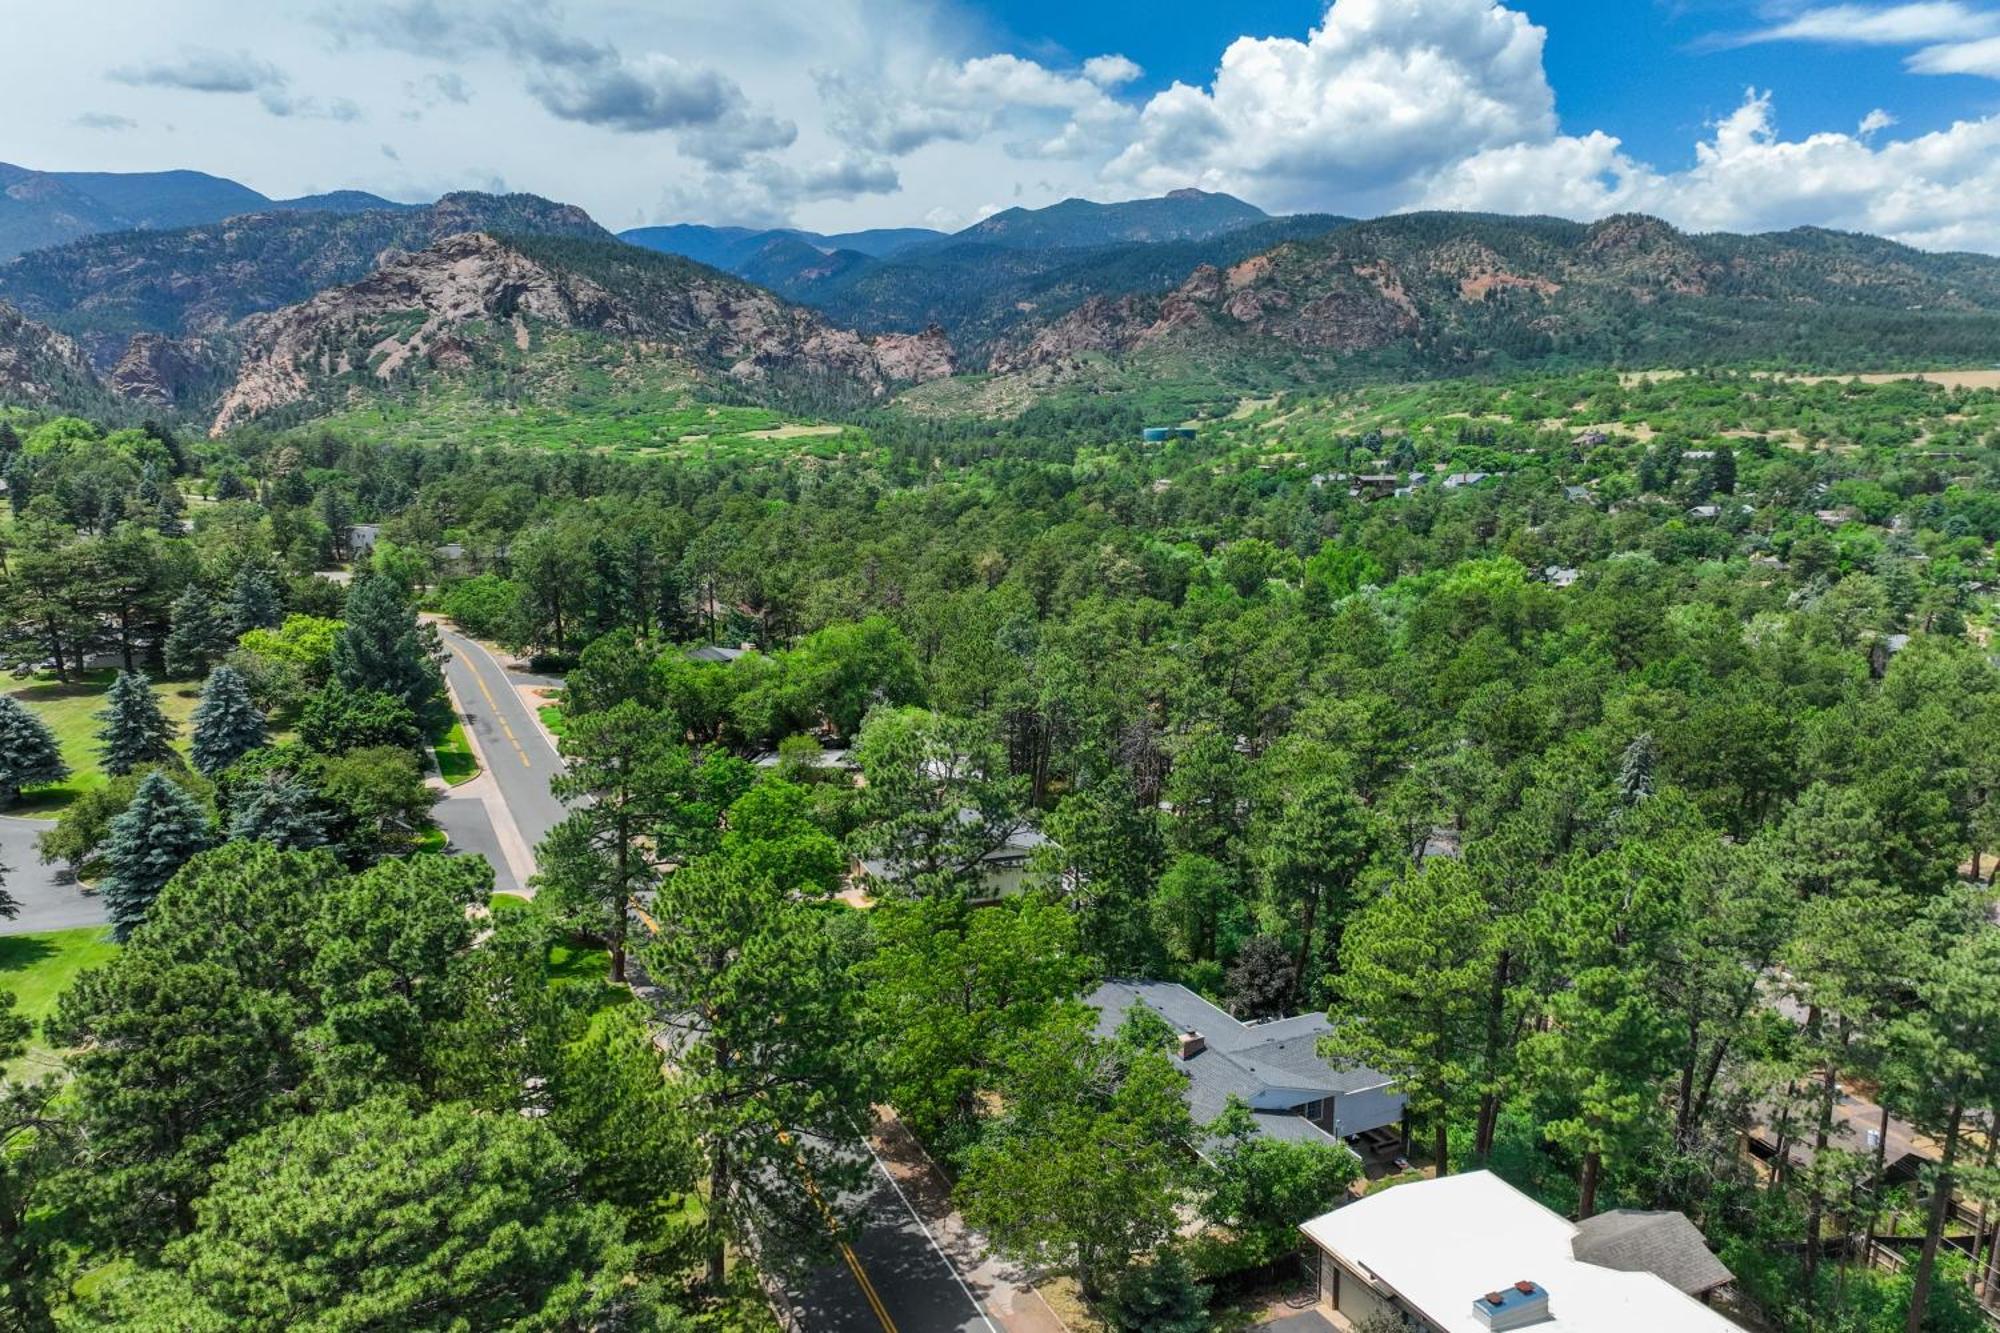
1275,1068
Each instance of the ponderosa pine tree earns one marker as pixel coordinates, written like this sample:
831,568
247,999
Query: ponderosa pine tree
158,834
227,723
29,755
382,648
254,602
135,731
200,636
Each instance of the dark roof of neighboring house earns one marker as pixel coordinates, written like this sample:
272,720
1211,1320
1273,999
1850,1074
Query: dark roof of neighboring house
1272,1066
1666,1245
1020,843
711,653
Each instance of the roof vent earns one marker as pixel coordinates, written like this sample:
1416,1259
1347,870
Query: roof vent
1192,1044
1520,1306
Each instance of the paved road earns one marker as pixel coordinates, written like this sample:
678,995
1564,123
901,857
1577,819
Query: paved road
518,757
892,1278
46,904
897,1281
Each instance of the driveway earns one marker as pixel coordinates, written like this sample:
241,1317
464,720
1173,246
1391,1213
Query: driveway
45,903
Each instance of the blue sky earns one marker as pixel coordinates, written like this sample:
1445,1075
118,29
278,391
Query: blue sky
1655,74
1872,115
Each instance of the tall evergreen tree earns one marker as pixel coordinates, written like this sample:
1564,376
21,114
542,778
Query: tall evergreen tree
283,811
254,603
29,755
200,635
382,648
159,833
135,731
227,724
1635,768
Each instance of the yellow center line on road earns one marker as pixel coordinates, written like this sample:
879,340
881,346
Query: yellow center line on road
479,679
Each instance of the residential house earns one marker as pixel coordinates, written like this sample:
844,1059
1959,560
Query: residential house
712,653
1578,494
1472,1254
1561,576
1294,1092
1461,479
1003,872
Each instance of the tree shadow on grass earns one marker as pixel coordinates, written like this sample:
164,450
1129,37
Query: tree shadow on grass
21,952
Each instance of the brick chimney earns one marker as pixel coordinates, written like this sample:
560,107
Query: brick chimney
1192,1044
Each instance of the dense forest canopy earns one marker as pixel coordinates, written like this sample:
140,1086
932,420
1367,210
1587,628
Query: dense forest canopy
1611,757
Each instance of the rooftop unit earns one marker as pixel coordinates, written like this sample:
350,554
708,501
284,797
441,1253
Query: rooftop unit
1522,1305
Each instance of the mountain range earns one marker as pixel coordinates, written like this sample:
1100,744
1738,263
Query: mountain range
40,208
285,313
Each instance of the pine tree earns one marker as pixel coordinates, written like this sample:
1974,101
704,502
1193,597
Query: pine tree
254,602
147,845
29,755
1635,768
200,634
382,648
1161,1297
135,731
227,724
283,811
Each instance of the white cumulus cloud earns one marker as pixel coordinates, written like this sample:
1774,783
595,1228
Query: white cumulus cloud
1377,97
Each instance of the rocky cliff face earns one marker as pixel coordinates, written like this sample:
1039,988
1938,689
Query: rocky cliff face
475,300
199,281
916,358
167,372
38,366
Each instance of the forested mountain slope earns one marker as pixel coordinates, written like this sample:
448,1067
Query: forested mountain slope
40,367
1440,290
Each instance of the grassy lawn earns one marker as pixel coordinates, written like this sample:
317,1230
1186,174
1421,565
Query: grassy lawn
69,711
37,968
569,962
552,718
454,757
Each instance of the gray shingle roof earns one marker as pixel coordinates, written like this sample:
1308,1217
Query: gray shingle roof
1274,1066
1666,1245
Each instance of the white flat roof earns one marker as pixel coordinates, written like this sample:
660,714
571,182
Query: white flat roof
1442,1244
